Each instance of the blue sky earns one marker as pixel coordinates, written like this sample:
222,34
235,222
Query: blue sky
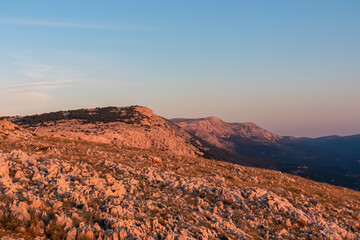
292,67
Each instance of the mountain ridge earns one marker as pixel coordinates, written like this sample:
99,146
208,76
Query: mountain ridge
328,159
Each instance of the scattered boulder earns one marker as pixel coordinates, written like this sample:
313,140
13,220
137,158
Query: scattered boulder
19,210
7,125
84,232
4,168
6,238
71,234
157,160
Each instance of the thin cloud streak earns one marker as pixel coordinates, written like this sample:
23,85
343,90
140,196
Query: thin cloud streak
35,86
36,23
40,96
38,80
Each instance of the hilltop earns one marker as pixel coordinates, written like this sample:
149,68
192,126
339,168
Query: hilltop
132,126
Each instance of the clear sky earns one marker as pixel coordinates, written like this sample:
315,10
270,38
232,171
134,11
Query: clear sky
292,67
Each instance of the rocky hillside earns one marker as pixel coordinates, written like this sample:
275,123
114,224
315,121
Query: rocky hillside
218,133
123,126
54,187
333,159
255,133
232,142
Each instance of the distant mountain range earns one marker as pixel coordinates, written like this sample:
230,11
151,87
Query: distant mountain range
332,159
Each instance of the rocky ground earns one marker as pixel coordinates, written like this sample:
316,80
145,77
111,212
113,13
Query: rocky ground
58,188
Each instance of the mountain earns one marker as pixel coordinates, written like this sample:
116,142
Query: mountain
239,143
55,183
132,126
224,140
216,132
330,159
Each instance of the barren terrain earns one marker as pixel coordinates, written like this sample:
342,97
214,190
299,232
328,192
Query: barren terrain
64,186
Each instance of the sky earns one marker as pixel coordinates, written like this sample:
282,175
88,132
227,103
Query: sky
292,67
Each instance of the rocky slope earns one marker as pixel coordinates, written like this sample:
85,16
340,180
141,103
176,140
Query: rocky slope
330,159
133,126
218,133
333,159
232,142
54,187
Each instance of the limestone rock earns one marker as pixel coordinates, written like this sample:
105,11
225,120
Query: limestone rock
71,234
20,211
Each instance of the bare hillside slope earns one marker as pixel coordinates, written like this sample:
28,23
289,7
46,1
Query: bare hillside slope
66,188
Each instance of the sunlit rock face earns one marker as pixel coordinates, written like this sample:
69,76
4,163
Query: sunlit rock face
219,133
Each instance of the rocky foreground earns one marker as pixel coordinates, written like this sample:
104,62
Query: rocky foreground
58,188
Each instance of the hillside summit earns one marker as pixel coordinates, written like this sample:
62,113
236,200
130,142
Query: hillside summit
62,186
133,126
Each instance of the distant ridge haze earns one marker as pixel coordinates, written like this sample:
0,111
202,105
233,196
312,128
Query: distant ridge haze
287,121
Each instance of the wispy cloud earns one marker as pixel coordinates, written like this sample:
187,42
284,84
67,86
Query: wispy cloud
35,86
55,24
39,79
40,96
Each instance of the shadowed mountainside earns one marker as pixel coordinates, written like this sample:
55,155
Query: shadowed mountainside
329,159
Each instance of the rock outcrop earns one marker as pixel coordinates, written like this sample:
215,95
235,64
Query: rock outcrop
7,125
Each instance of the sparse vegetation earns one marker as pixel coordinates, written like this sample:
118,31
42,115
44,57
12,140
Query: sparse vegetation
127,115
